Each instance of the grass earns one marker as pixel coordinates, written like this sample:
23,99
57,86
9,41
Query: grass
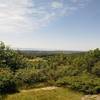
56,94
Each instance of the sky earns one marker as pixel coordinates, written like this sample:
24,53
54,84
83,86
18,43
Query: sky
50,24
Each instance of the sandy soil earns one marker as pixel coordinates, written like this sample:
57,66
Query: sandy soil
38,89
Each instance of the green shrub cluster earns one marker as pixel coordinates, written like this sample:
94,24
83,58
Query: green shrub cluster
78,71
7,83
10,61
86,84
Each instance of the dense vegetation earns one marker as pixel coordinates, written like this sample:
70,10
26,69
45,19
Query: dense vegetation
77,71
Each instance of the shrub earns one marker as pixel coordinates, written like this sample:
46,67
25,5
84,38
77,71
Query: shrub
86,84
7,84
96,69
28,76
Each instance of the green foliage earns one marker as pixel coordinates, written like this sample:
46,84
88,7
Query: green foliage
7,83
96,69
28,76
12,59
84,83
79,71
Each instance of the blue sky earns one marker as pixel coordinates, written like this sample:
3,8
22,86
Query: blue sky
50,24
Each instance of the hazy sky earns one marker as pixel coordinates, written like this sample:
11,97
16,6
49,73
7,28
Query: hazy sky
50,24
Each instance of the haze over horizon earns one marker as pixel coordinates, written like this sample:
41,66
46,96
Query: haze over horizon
50,24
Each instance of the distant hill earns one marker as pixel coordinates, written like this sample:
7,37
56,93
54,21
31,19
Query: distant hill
46,52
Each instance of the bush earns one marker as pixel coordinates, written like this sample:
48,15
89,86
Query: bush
96,69
28,76
7,83
86,84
